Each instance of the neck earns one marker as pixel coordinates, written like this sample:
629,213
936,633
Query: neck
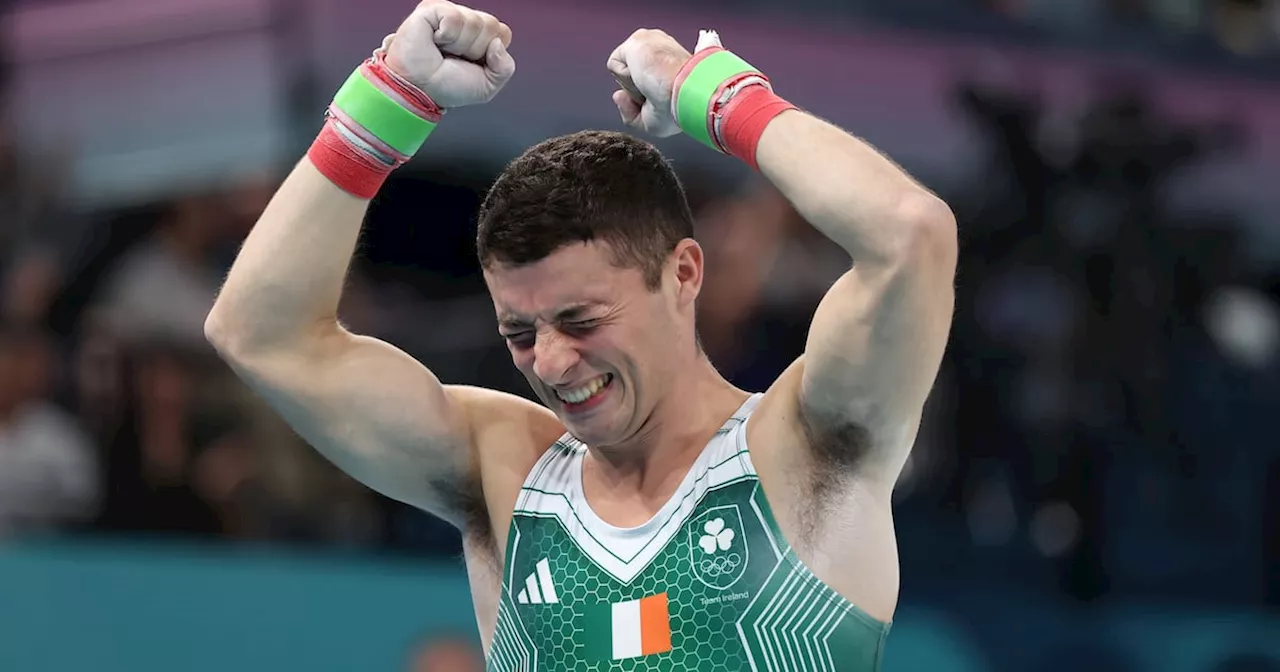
653,463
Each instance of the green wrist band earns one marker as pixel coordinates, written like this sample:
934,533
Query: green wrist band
700,86
381,115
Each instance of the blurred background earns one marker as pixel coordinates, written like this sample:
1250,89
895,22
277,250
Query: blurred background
1097,483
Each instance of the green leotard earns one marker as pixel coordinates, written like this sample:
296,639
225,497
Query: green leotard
708,585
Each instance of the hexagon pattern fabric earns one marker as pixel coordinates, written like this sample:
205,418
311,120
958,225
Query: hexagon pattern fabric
708,585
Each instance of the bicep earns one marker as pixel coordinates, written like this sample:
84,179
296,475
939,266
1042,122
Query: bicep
873,352
376,413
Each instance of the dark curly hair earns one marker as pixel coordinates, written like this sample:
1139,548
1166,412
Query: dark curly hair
587,186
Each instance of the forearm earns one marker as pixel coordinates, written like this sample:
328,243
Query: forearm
288,278
845,187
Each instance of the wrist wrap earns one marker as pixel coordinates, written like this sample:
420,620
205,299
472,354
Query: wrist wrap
376,122
725,103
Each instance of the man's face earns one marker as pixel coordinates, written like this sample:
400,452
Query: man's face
597,346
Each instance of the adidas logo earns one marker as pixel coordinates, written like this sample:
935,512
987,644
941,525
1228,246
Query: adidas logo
538,588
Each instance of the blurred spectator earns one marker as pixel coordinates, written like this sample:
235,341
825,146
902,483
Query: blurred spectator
29,285
163,288
767,269
48,474
149,450
446,654
191,452
1244,27
741,236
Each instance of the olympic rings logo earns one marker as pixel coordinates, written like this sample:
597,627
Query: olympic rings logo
720,565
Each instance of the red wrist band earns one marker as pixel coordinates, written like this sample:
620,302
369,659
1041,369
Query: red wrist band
351,168
745,117
724,102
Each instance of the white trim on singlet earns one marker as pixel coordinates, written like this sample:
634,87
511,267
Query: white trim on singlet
554,490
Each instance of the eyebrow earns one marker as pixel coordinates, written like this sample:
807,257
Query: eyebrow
567,314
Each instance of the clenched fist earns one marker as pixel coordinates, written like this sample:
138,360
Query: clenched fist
646,66
457,55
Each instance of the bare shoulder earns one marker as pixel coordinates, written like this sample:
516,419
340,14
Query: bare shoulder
838,520
508,434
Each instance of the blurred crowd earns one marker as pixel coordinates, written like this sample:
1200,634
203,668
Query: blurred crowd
1102,410
116,415
1115,358
1242,27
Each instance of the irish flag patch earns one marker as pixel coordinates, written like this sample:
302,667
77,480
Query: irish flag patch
629,629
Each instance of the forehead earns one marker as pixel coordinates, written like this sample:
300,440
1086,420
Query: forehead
582,274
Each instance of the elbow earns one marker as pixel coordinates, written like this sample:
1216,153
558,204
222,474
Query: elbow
931,237
241,339
219,332
231,333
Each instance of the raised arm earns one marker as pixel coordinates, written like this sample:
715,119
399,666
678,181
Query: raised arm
878,336
368,407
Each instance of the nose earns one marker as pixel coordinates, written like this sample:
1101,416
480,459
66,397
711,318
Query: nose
554,356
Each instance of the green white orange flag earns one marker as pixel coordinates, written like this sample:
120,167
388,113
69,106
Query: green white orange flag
628,629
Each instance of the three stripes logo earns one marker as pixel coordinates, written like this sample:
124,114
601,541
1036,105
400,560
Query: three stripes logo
538,588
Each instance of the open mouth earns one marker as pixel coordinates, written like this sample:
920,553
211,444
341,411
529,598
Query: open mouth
583,395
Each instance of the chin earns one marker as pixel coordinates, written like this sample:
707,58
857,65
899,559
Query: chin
593,432
586,432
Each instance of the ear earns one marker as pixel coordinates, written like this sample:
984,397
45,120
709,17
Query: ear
685,268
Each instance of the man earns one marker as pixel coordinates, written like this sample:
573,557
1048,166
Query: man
446,653
649,515
48,466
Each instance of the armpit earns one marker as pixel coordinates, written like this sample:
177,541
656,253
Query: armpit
837,442
465,498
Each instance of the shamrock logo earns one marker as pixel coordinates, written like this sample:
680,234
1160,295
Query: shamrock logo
717,536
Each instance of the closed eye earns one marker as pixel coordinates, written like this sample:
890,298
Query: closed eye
520,339
581,327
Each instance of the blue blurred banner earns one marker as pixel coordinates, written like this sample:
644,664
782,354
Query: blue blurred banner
141,608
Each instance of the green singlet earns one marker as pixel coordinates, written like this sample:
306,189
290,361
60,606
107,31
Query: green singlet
708,585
